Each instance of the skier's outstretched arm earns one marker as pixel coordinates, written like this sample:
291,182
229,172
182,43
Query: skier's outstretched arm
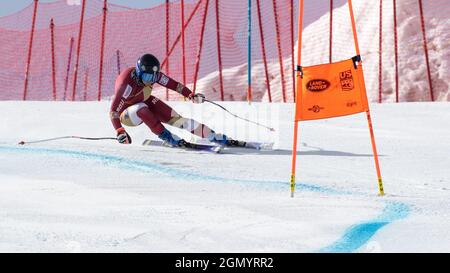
174,85
116,108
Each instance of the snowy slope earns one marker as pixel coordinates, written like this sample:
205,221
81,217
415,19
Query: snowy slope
89,196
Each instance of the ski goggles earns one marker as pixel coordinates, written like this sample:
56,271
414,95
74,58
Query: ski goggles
148,77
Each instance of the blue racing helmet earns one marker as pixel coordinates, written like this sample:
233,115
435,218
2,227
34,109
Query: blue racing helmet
147,68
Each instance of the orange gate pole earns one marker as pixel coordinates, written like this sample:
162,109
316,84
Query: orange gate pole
369,119
299,83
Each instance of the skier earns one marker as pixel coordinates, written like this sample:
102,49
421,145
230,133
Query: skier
133,105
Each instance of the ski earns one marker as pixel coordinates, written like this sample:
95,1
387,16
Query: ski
186,145
264,146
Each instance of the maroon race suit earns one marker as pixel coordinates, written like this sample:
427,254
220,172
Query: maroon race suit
130,91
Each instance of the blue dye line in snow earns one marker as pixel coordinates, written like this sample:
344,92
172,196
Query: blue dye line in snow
354,237
358,235
144,166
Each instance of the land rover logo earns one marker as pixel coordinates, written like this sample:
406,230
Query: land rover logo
317,85
316,108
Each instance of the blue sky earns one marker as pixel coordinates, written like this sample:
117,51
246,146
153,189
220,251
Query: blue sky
11,6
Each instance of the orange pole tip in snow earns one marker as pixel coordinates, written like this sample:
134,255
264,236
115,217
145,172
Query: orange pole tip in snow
380,186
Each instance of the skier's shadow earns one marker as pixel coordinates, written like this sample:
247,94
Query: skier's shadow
311,151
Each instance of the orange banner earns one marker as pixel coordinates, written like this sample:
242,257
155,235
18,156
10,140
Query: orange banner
331,90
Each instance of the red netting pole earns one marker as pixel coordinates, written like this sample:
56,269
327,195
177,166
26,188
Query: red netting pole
102,49
80,35
179,34
280,55
118,61
199,54
331,31
263,49
52,34
396,51
183,45
66,83
291,6
86,81
167,41
380,56
425,47
219,50
249,52
30,46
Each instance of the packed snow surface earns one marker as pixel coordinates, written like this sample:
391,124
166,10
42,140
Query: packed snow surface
100,196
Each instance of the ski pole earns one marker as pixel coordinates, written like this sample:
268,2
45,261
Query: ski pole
269,128
64,137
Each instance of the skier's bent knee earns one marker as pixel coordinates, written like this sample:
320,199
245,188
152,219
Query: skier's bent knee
129,117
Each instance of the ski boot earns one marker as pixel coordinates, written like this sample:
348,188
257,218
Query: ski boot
223,140
170,139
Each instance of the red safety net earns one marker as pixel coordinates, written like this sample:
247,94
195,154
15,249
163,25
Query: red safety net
413,68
